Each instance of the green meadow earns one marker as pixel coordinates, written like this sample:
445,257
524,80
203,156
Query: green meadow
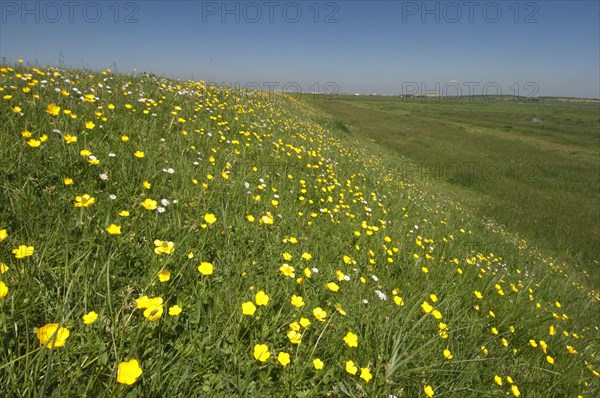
176,238
533,165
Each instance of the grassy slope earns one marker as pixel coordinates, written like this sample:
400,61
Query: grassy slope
339,206
541,179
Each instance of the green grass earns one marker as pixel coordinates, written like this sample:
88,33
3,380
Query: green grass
342,212
541,179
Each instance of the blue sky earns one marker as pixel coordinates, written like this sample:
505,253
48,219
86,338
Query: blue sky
390,47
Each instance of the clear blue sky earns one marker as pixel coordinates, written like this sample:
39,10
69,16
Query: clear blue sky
359,46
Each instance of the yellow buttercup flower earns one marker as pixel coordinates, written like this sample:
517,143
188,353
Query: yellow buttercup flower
52,336
210,218
205,268
163,247
90,317
69,139
319,314
23,251
145,302
484,350
294,336
365,374
175,310
351,339
426,307
333,286
266,219
3,290
339,309
53,109
84,200
248,308
128,372
287,270
34,143
139,154
3,234
306,256
318,364
297,301
283,358
351,367
448,355
428,390
89,125
164,275
261,352
114,229
154,312
515,390
261,298
149,204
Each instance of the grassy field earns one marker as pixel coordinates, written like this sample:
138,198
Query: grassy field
533,166
166,238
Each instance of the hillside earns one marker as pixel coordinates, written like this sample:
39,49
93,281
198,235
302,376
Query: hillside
166,238
531,166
